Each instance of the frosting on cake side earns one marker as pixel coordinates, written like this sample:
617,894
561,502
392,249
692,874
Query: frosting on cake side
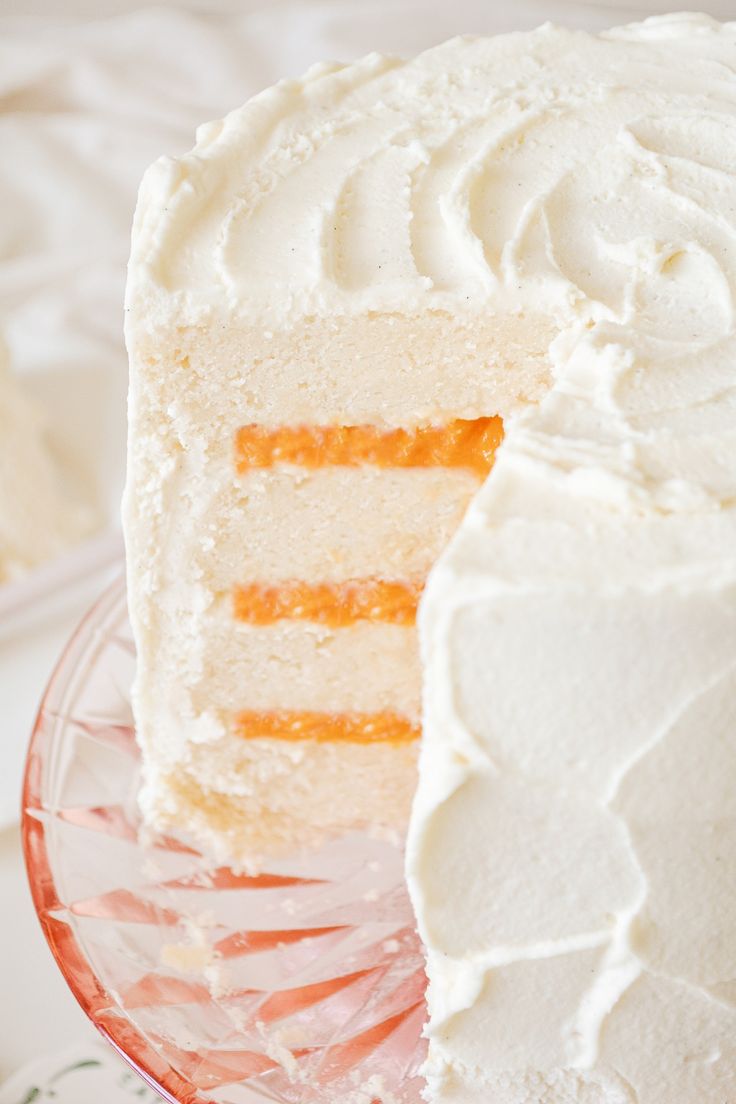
573,841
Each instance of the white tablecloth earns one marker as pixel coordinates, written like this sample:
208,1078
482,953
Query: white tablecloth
90,92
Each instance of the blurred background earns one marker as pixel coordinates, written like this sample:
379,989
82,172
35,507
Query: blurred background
91,91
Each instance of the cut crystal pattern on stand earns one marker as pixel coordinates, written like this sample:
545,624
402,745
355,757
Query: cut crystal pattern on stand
303,984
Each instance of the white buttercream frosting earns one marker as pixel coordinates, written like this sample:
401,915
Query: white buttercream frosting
573,845
447,181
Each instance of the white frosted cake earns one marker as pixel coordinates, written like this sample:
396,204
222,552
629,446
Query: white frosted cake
333,301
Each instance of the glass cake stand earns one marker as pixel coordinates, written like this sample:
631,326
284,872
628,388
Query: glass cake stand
303,984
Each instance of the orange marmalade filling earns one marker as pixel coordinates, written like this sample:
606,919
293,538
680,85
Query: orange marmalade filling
336,605
357,728
468,444
461,443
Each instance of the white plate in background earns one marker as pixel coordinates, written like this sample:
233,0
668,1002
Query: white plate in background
86,1073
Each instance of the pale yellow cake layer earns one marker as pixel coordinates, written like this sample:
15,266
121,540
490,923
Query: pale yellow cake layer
299,665
327,525
250,799
208,668
376,368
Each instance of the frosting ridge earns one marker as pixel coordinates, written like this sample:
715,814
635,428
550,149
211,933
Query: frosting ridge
439,181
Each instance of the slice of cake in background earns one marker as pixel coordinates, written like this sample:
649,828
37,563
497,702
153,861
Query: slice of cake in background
40,514
332,302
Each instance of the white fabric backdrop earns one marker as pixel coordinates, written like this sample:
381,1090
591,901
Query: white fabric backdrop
90,92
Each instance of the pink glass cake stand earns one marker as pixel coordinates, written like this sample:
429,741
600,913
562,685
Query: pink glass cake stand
303,984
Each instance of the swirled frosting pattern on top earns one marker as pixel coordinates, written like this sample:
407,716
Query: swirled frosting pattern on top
552,168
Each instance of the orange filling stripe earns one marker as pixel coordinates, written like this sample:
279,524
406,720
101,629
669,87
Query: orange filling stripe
459,444
332,604
357,728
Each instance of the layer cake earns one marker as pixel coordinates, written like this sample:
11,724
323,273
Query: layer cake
338,304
